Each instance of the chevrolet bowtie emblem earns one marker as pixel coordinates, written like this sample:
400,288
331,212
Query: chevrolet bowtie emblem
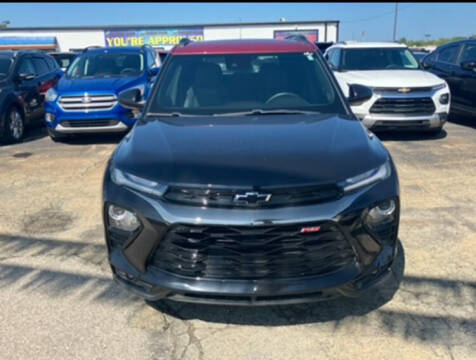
404,90
252,197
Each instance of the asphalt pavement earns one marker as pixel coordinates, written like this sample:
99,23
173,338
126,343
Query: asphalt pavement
58,300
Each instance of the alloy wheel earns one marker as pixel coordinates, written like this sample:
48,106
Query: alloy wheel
16,125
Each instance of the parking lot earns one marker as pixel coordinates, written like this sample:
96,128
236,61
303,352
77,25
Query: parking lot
58,299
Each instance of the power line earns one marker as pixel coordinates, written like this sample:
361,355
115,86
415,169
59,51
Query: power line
377,16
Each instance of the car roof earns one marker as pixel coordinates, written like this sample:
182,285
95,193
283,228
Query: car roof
356,45
470,40
20,52
248,46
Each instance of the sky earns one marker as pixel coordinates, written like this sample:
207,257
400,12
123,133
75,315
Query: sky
359,21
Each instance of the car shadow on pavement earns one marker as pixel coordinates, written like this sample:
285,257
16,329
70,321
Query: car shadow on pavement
410,136
278,315
91,139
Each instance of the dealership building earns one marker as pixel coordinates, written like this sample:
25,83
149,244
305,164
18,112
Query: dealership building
159,36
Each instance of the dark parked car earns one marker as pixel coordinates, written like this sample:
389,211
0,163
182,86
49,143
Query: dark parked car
456,63
64,59
248,180
25,76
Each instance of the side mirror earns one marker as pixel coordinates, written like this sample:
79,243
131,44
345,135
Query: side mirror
26,77
425,65
332,66
132,99
468,65
359,93
154,71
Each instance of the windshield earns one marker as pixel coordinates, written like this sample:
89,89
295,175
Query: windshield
5,65
378,59
105,64
64,60
419,55
237,83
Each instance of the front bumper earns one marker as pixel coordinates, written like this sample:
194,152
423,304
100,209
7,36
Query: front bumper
69,122
405,120
132,266
392,122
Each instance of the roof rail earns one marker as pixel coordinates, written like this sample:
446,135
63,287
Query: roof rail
297,37
184,41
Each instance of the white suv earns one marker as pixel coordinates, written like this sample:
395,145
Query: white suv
405,96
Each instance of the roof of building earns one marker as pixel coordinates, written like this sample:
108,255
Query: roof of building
355,44
156,26
263,46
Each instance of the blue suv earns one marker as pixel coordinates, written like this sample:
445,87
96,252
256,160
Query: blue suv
85,98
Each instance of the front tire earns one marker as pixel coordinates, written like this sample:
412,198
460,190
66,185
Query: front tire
14,126
56,136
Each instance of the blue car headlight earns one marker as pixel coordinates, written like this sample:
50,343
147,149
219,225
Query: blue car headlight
51,95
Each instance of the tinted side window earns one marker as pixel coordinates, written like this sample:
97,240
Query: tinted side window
52,64
449,54
40,65
26,66
431,57
334,57
469,53
150,60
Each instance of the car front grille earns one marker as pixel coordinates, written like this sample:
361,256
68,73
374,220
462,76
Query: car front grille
89,123
252,199
404,106
88,103
253,252
407,90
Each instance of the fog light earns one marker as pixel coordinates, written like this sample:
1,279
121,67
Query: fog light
444,99
122,219
49,117
382,213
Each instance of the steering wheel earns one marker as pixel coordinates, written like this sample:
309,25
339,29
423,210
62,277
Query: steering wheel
128,70
282,94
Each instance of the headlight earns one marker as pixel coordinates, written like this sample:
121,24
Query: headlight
438,87
122,218
51,95
137,183
367,178
382,213
444,99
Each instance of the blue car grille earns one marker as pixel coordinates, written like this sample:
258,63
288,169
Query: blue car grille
85,103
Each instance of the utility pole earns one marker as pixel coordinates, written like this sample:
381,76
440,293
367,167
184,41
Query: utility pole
395,23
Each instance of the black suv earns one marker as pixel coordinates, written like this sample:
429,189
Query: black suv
25,77
248,180
456,63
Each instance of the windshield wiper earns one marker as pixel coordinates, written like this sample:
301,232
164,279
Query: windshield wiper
267,112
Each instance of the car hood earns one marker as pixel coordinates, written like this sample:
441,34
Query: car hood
112,84
273,150
391,78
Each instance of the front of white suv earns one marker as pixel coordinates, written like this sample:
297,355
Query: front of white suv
404,95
